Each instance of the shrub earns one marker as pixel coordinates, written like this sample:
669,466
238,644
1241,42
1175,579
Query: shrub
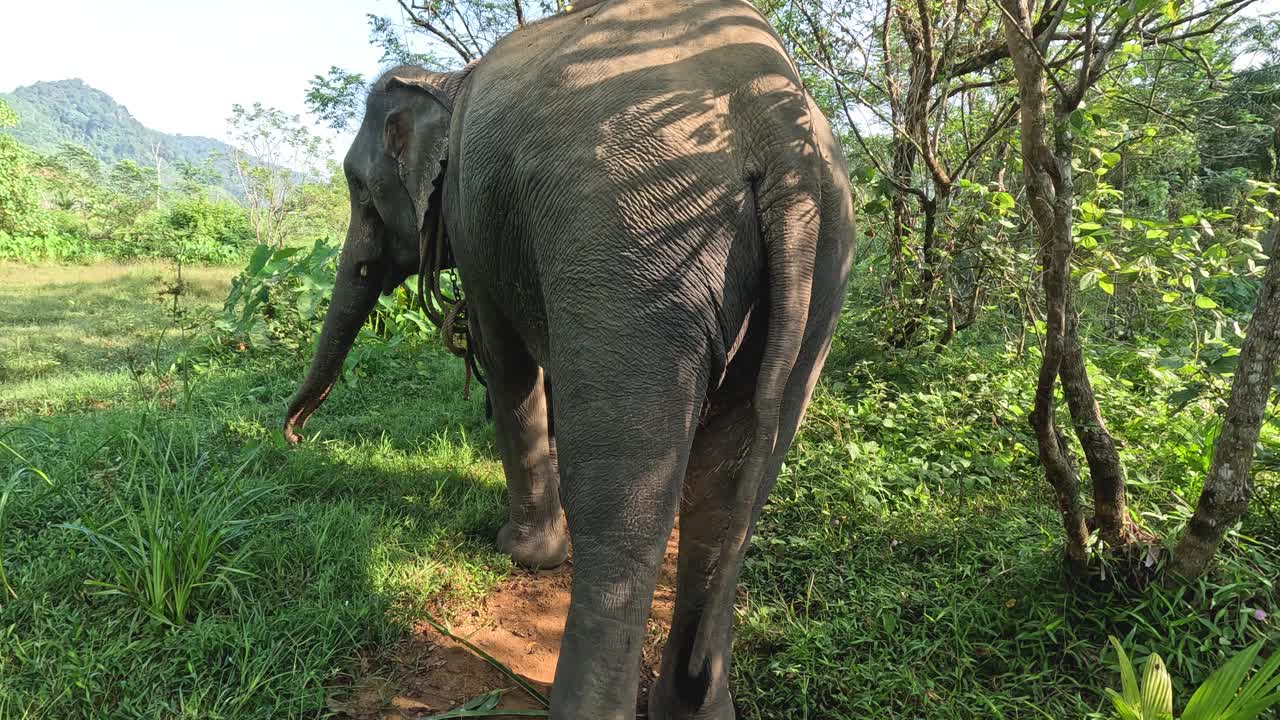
192,229
1224,696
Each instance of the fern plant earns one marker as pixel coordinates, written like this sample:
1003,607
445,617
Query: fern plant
1224,696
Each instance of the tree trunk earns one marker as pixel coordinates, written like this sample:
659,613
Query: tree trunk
1228,487
903,219
1110,505
922,294
1050,192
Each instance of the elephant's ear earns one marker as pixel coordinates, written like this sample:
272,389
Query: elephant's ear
428,85
417,140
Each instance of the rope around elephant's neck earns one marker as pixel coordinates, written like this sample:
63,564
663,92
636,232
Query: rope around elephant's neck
448,314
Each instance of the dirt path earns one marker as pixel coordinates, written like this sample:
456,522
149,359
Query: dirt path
519,624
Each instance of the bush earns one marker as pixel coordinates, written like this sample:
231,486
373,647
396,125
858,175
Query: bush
46,247
280,298
192,229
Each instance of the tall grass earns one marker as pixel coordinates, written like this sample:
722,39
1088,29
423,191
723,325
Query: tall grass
175,536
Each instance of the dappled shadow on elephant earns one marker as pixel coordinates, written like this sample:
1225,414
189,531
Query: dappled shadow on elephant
634,197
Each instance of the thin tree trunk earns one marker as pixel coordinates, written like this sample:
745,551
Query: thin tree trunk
1110,505
922,294
1050,192
903,220
1228,487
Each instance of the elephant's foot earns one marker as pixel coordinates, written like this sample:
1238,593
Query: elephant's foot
668,703
540,547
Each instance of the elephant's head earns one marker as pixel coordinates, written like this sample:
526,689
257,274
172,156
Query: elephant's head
393,174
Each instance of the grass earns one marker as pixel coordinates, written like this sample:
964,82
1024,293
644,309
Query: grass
178,562
163,556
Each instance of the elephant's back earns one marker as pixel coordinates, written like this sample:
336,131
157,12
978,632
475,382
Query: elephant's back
636,127
569,75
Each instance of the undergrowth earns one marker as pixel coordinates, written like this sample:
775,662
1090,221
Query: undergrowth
165,556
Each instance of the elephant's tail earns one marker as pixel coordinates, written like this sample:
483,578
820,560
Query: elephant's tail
787,212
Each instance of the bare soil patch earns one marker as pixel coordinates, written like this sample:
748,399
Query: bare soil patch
520,624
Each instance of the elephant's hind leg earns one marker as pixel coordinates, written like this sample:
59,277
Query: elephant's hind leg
624,440
705,507
535,535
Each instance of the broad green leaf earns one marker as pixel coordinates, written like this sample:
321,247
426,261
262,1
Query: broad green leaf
1205,302
1106,286
258,260
1216,694
1128,680
1264,682
1180,398
1253,708
1157,691
1225,364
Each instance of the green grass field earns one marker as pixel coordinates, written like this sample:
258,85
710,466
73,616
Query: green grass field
164,556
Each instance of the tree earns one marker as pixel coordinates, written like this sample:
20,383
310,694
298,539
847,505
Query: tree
19,196
444,36
324,207
1080,43
274,152
1228,487
927,73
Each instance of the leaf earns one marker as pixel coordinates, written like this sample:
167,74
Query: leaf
306,304
1252,709
1264,682
1110,159
1106,286
1180,398
524,684
1125,710
1077,119
258,260
1157,691
1205,302
1128,680
1225,364
1216,694
487,701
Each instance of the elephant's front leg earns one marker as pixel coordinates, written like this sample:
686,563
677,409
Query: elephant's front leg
535,535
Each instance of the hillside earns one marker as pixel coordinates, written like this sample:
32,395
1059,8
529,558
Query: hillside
50,113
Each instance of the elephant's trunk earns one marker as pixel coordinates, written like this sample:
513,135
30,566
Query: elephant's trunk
353,299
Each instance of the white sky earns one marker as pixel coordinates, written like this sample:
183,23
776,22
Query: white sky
178,65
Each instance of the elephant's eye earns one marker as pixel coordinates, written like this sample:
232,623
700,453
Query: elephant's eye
360,192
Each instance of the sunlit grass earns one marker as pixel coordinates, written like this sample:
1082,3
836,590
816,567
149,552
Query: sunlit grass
179,562
906,566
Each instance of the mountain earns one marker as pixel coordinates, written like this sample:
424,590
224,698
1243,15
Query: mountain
50,113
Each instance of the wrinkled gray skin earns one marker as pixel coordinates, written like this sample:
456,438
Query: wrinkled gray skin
646,208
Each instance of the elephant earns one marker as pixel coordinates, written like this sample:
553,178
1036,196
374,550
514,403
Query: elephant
650,214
